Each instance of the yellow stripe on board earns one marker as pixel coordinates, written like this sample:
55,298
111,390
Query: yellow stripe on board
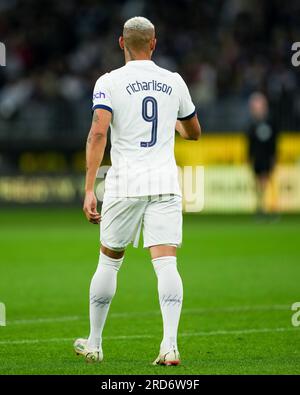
231,148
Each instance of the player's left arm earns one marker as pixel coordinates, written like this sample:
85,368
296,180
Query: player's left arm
95,146
189,129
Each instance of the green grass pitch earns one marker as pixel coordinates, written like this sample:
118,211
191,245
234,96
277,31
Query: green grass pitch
240,280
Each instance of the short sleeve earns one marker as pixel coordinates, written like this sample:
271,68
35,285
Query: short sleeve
102,95
186,108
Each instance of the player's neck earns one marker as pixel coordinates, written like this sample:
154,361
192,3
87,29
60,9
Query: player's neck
130,55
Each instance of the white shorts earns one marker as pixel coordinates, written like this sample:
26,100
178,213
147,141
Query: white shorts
122,219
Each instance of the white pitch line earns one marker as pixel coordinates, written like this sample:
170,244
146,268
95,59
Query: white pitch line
133,337
45,320
230,309
238,331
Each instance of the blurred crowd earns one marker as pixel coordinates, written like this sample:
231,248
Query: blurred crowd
225,50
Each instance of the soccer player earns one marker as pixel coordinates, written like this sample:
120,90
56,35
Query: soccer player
143,104
262,135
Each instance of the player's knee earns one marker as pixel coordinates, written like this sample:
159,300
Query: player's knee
160,251
108,264
112,253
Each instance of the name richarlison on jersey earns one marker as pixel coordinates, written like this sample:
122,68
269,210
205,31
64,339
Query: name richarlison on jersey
153,85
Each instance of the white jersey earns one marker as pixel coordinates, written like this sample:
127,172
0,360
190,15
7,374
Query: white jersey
145,101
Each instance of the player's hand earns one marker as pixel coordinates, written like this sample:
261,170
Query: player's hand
90,207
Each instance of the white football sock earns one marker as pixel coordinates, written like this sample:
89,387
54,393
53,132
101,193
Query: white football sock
102,290
170,293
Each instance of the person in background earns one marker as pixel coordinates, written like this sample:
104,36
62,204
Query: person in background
262,135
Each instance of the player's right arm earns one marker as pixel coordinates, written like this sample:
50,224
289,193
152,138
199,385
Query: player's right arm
96,142
95,146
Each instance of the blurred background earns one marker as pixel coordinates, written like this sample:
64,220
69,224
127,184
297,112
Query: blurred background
225,50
